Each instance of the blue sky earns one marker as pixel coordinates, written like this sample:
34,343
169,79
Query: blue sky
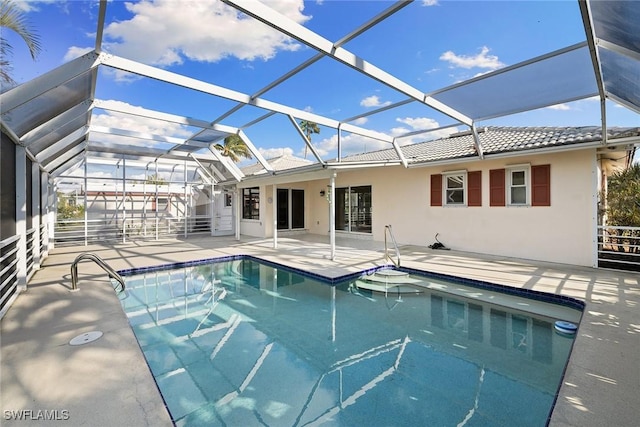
429,45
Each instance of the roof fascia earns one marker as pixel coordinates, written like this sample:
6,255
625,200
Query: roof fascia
27,91
287,26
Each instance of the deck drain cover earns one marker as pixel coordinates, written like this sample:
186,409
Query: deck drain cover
86,338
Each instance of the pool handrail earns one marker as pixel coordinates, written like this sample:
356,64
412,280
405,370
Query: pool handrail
387,228
95,258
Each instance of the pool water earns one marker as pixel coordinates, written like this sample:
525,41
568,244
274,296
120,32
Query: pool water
241,342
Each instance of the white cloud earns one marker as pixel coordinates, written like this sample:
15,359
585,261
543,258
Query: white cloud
360,121
148,126
481,60
270,153
559,107
167,32
75,52
373,101
420,123
429,2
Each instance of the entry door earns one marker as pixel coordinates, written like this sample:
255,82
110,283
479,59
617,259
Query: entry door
223,223
290,212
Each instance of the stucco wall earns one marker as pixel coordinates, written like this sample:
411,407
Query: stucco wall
562,232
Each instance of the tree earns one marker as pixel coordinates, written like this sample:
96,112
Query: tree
308,128
13,19
154,179
623,202
234,148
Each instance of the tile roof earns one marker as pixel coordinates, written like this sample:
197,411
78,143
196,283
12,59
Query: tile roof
494,140
279,163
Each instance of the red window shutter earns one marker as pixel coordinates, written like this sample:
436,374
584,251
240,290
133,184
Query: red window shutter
541,185
474,182
496,187
436,190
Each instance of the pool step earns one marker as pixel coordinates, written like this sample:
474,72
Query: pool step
389,281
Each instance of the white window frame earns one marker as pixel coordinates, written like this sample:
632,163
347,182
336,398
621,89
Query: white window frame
445,188
527,184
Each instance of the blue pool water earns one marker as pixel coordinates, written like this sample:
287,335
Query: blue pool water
241,342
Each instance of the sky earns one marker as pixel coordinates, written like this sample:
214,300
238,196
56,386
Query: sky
429,45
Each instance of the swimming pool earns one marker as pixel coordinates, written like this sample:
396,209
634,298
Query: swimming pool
240,341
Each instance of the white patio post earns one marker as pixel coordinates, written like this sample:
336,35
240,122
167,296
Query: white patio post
274,204
44,197
86,214
239,200
35,212
332,216
21,216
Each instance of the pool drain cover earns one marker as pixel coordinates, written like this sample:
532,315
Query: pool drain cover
86,338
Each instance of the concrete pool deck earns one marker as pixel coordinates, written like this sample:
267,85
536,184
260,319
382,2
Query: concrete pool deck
107,383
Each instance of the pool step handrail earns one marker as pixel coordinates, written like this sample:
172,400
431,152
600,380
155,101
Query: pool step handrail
396,262
95,258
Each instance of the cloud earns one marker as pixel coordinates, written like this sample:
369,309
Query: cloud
373,101
559,107
167,32
75,52
270,153
481,60
360,121
429,3
144,125
420,123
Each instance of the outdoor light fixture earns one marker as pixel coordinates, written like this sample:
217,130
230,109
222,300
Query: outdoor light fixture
322,193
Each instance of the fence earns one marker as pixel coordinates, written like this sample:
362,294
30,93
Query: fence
619,247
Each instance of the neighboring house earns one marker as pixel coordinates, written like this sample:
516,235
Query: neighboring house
532,193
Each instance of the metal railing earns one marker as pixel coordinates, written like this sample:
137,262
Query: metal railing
95,258
387,230
8,271
619,247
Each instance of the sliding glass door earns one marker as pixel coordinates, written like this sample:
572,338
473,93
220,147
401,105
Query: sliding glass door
290,209
353,209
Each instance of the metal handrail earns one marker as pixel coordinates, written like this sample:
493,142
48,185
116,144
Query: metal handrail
93,257
387,228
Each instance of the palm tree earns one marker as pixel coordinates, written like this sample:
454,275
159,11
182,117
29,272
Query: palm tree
308,128
234,148
13,19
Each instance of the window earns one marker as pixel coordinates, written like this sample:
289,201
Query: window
251,203
520,186
518,183
353,209
455,188
459,189
228,200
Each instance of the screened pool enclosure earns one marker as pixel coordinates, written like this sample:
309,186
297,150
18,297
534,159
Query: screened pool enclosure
78,167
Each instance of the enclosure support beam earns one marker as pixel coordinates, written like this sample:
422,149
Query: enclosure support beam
332,216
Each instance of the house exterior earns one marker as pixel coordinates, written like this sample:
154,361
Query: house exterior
532,193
